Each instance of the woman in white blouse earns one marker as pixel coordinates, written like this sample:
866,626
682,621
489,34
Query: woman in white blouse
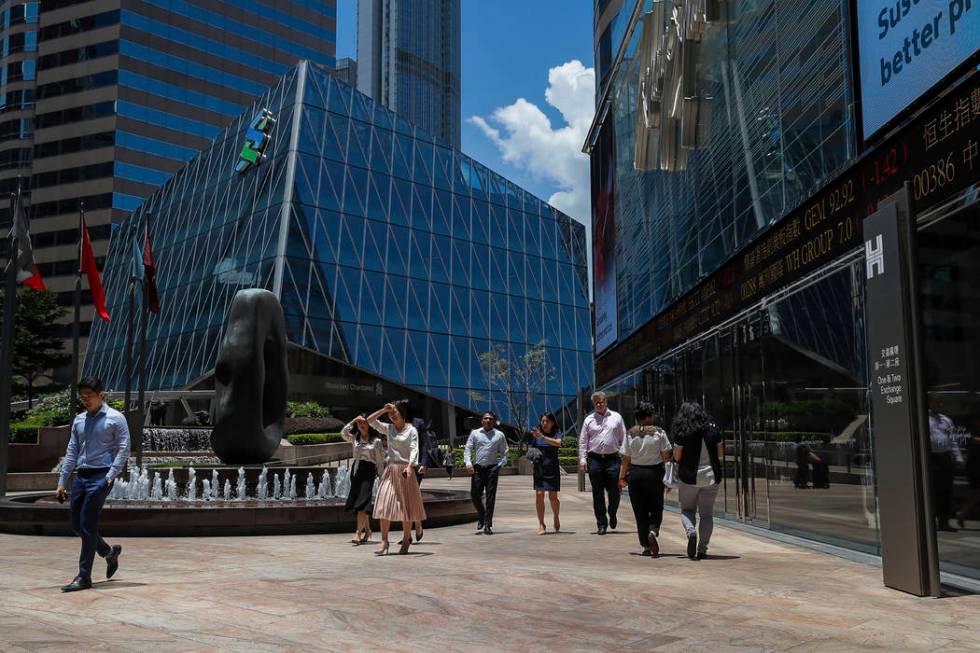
645,449
399,497
368,450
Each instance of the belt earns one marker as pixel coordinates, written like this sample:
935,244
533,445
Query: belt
654,466
603,456
85,472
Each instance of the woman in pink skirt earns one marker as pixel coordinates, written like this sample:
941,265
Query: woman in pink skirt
399,497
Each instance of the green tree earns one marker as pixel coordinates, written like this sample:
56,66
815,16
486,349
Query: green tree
37,347
520,378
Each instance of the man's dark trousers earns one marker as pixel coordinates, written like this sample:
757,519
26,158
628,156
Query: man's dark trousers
484,479
604,476
88,493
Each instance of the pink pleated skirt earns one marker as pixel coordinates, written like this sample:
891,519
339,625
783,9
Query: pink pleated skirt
399,498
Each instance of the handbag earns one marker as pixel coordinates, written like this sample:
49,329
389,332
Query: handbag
533,455
670,474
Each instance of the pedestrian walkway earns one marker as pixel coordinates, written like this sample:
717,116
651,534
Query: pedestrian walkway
458,591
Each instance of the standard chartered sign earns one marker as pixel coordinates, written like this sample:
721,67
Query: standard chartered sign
906,46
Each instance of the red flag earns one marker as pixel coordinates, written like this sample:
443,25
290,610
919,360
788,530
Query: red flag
21,253
92,271
150,273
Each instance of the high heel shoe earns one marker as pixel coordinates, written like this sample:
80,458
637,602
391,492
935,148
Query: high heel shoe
557,525
403,549
418,534
383,551
366,536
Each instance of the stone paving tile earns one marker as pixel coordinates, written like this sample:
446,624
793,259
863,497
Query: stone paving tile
513,591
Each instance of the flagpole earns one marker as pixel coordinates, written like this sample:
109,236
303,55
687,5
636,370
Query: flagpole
6,356
76,322
141,387
129,344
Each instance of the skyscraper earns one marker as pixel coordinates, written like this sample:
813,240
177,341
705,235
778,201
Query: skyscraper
106,100
408,59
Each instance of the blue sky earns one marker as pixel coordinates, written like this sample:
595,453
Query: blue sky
508,49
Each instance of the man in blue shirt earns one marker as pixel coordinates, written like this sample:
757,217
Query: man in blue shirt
98,448
488,443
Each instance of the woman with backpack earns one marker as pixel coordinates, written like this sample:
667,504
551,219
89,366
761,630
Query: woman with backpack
698,449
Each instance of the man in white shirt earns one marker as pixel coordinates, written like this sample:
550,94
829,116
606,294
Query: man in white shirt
598,454
490,447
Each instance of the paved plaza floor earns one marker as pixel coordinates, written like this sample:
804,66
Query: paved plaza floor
458,591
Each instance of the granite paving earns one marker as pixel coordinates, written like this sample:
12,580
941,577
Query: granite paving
461,591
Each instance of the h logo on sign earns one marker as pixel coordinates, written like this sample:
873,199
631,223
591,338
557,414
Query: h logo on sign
874,257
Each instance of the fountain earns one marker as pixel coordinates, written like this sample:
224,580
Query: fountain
240,485
191,485
248,416
263,488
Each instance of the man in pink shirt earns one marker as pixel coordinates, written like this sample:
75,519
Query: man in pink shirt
598,454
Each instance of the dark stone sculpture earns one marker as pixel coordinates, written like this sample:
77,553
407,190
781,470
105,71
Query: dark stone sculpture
199,418
158,413
250,379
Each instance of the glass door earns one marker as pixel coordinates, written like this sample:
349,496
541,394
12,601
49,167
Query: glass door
737,381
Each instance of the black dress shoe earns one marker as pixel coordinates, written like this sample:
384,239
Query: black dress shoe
487,530
692,547
646,553
702,555
78,584
601,530
612,522
479,526
112,560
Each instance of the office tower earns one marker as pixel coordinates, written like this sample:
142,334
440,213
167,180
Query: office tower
107,99
408,58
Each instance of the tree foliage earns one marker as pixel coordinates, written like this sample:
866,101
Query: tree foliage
37,347
519,378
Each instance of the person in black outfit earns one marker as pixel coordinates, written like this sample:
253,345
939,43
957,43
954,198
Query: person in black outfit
645,450
547,475
426,460
368,448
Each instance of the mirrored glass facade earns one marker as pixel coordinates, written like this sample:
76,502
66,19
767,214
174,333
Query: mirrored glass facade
391,253
771,125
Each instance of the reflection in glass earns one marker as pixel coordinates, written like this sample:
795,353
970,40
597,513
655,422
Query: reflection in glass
949,267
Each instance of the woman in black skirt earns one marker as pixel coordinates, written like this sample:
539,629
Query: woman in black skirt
368,449
547,475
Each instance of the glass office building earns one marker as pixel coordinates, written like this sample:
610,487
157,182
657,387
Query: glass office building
408,59
398,262
730,182
104,101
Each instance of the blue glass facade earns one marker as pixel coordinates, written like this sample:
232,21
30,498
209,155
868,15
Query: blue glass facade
391,253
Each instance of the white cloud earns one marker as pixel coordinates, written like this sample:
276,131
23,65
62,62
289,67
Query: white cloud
526,138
